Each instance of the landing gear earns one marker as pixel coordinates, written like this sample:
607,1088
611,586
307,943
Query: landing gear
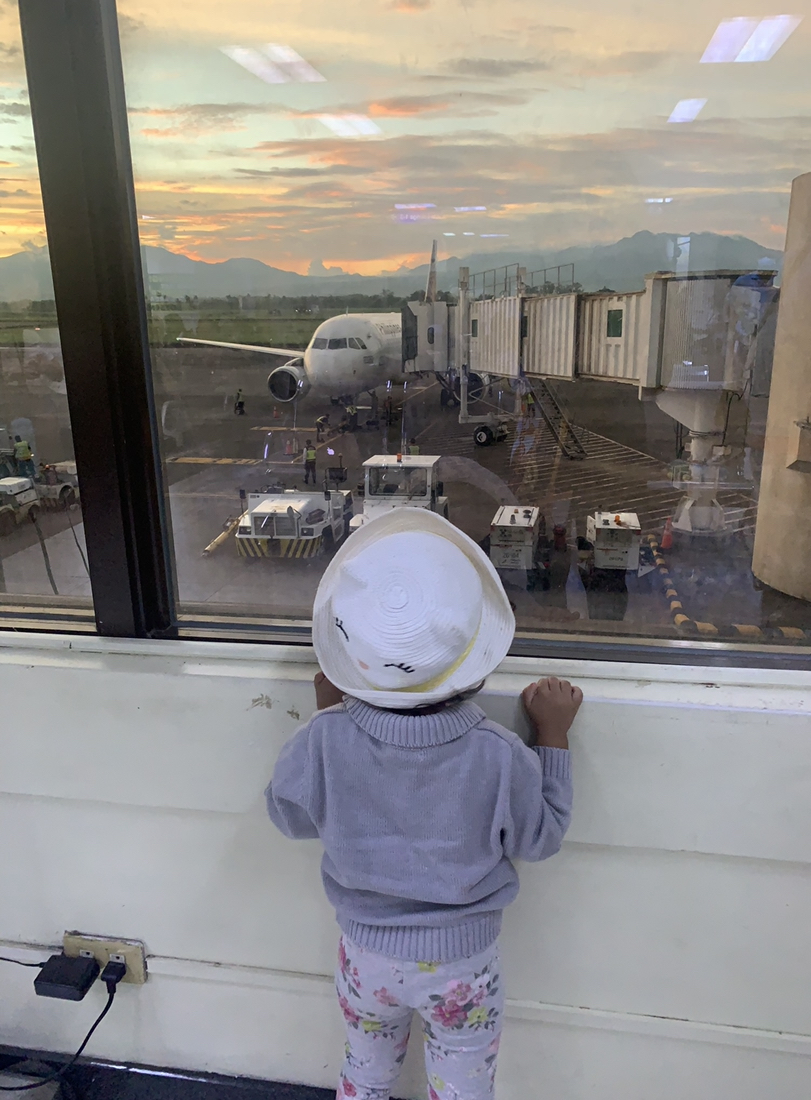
448,392
486,436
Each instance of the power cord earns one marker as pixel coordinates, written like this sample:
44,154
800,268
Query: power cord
111,975
19,962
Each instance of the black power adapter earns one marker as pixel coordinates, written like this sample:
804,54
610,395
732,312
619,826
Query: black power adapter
67,979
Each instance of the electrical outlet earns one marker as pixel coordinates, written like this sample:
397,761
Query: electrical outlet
105,949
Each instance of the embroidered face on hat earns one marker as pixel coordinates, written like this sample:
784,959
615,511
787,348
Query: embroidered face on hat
407,610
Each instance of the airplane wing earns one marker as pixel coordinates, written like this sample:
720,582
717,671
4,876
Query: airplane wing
289,353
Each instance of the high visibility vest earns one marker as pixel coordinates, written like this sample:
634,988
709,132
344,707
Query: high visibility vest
351,410
309,454
22,451
413,449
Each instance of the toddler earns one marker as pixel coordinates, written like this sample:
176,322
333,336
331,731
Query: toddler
420,801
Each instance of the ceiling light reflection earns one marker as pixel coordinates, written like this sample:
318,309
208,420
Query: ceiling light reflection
255,63
687,110
293,63
745,39
275,65
350,125
769,35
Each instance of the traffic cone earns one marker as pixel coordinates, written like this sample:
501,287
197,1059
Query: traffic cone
275,412
288,447
667,535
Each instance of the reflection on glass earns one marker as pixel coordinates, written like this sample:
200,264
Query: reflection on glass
42,551
591,339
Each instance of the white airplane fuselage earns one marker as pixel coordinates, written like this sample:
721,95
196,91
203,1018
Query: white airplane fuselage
354,352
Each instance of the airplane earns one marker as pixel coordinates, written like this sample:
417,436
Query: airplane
347,355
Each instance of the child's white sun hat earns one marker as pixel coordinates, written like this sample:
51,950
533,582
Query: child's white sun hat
409,612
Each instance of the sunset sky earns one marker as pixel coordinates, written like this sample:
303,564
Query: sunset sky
552,116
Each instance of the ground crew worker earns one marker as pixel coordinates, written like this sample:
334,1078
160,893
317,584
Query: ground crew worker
239,404
23,456
321,426
413,447
388,411
531,404
309,462
352,413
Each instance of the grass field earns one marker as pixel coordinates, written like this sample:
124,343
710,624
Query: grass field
291,330
276,329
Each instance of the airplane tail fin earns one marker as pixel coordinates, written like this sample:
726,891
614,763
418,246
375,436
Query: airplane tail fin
430,289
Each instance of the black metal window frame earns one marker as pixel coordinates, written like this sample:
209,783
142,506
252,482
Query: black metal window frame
78,108
78,104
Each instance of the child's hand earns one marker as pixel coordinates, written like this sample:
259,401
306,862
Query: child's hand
551,706
326,694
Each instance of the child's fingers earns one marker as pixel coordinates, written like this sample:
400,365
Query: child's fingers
529,693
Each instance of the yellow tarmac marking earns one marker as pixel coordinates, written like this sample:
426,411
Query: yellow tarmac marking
184,461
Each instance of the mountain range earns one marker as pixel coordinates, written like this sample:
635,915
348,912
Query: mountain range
621,266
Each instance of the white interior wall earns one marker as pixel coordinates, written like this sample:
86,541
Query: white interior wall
662,954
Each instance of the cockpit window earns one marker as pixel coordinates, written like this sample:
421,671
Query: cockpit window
356,342
319,343
340,343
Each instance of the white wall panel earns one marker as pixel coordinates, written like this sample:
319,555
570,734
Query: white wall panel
669,934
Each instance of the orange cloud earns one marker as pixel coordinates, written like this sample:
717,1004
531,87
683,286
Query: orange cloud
408,106
411,5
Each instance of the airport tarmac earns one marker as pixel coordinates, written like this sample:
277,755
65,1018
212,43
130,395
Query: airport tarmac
212,454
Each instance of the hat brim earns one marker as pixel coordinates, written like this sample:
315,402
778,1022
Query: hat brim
496,628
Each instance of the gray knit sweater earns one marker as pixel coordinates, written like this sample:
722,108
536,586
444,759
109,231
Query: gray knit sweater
420,817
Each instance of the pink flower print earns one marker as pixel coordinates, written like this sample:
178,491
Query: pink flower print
382,996
343,962
458,991
449,1014
348,1089
493,1048
350,1015
433,1094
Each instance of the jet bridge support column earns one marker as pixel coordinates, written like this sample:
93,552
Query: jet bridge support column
782,556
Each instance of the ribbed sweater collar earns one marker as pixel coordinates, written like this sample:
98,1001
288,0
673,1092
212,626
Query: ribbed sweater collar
415,731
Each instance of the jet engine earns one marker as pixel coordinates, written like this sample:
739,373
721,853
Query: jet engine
288,382
475,387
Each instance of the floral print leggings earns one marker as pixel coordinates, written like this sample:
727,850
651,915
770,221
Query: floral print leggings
461,1005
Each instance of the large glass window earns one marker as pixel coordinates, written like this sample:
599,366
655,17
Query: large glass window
546,246
43,559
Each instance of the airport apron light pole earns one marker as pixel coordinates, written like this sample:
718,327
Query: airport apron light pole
76,87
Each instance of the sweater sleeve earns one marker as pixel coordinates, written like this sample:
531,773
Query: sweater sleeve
540,803
288,793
